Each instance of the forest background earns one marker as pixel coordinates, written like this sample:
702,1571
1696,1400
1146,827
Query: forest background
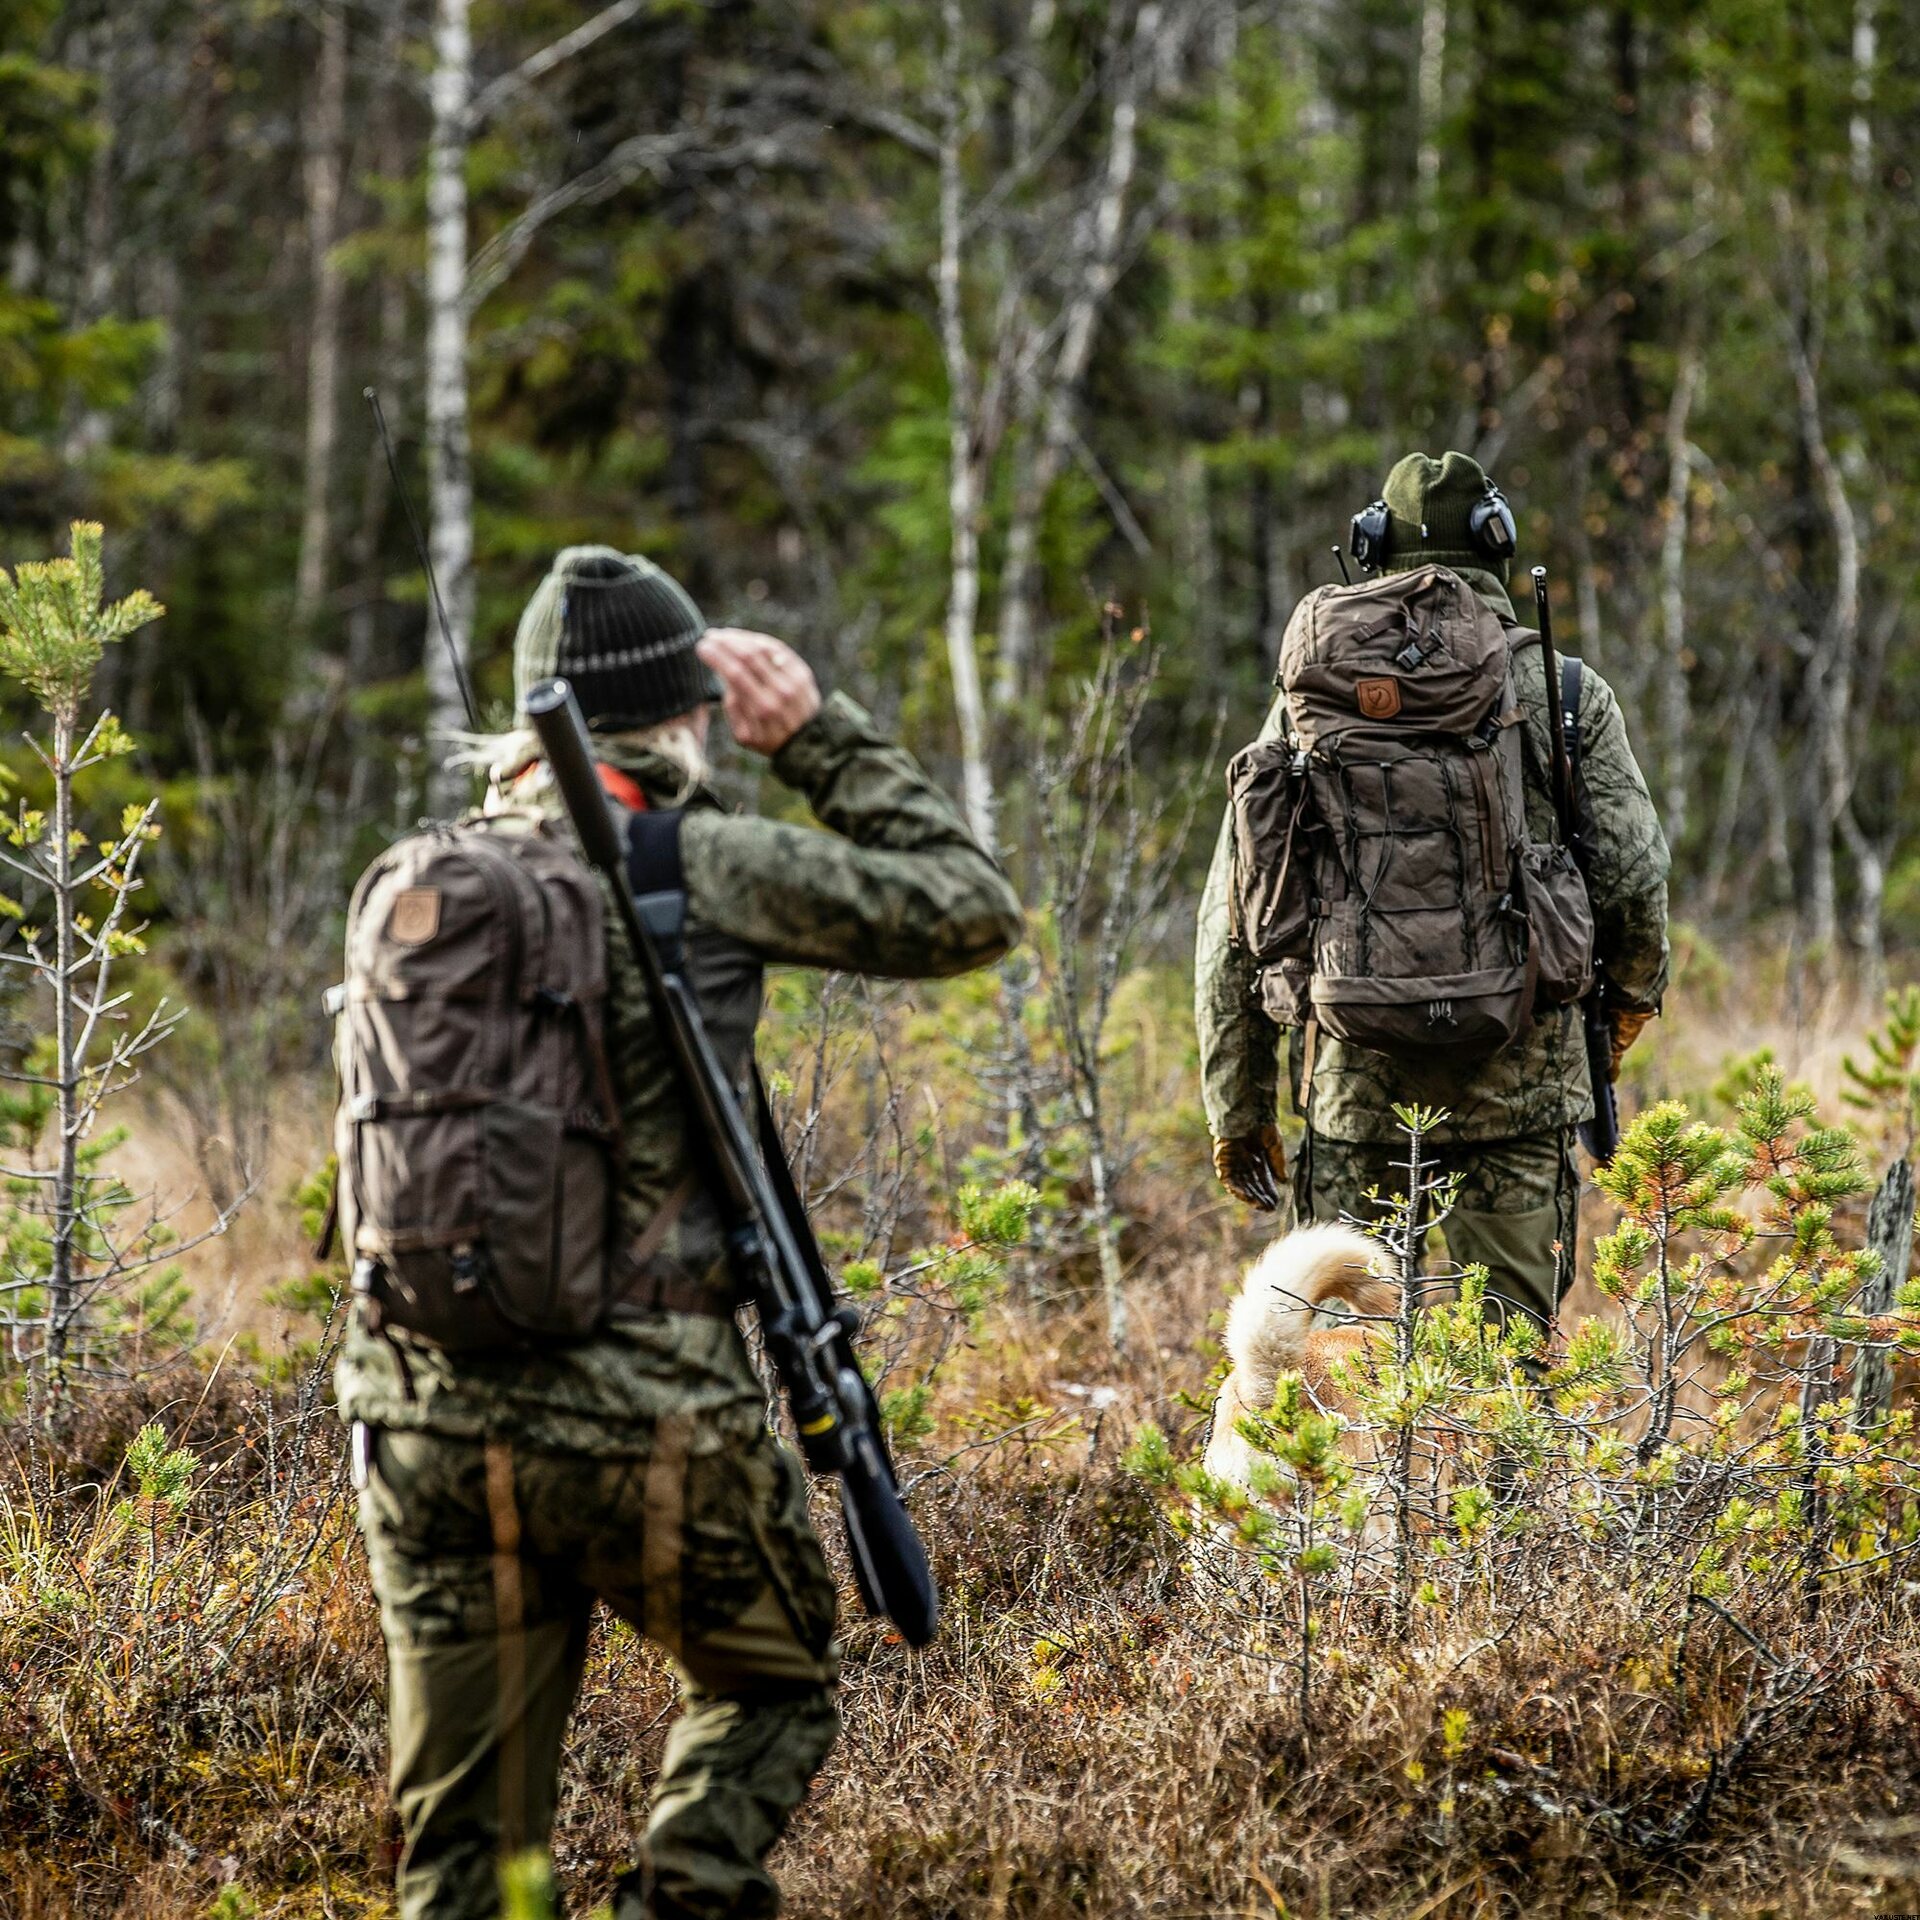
917,333
988,350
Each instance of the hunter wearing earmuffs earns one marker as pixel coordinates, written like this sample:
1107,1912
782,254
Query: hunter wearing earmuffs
1512,1115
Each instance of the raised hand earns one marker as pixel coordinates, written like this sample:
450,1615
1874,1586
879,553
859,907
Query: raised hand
768,692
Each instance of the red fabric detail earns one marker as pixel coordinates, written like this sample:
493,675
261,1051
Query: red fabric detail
621,788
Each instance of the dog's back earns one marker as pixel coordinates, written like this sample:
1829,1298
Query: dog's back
1280,1324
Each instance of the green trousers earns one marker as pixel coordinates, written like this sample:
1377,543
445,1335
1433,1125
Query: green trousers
487,1561
1516,1211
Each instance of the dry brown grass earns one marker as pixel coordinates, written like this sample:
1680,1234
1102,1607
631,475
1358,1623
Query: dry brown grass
1100,1731
1104,1729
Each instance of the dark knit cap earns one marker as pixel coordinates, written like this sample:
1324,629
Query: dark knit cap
1431,501
622,632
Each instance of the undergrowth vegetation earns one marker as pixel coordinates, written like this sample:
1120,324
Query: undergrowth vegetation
1622,1626
1617,1670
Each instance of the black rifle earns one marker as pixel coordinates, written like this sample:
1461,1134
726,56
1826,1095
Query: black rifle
1600,1135
770,1241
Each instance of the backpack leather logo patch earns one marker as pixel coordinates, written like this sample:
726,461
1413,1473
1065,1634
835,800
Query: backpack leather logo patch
1378,699
415,918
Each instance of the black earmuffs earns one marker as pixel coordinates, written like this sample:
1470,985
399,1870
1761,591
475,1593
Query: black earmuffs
1490,526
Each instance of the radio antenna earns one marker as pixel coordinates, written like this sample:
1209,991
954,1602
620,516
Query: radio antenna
372,397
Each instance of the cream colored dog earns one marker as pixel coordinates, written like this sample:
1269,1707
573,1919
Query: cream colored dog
1312,1299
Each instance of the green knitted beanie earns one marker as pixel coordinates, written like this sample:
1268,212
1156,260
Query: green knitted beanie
1430,501
622,631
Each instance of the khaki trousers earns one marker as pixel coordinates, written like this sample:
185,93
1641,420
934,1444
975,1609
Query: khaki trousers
487,1561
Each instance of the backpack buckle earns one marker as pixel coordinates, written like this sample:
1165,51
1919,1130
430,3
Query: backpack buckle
466,1268
1440,1013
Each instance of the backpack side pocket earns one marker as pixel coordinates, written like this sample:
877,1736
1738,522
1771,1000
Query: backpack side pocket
1560,915
1273,899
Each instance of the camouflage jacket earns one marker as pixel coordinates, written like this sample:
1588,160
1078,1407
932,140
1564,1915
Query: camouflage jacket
900,888
1537,1085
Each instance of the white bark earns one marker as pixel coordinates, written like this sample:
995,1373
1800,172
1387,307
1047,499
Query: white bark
449,463
1832,675
1675,719
390,336
62,1276
1431,88
325,168
964,487
1137,64
1866,53
1107,1241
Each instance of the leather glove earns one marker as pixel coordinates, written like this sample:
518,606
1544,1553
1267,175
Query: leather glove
1252,1167
1627,1028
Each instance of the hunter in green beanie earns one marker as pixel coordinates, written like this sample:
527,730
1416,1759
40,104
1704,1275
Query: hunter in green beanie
1432,503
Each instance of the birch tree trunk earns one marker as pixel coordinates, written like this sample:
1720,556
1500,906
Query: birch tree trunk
449,463
1137,61
1431,102
1890,1235
390,339
1866,54
963,473
1675,718
324,171
62,1275
1832,675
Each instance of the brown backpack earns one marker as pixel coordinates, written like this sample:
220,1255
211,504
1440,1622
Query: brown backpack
477,1131
1387,885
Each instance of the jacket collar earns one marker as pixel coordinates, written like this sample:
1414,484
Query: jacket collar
1486,583
663,781
1492,589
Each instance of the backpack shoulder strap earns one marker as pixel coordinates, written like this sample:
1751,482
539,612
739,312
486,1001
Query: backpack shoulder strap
653,835
653,852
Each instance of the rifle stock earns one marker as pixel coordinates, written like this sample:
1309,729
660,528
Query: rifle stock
770,1240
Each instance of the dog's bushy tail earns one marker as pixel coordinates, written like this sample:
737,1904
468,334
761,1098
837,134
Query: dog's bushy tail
1302,1271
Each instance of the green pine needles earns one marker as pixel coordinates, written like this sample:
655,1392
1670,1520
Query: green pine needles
56,622
1699,1451
89,1281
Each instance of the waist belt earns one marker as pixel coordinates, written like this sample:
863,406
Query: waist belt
661,1286
673,1293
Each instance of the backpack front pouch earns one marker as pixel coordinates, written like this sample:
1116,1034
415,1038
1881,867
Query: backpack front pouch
491,1215
1420,947
476,1168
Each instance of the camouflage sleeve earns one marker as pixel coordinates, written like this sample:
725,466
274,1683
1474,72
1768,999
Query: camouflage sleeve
1239,1042
1627,872
900,887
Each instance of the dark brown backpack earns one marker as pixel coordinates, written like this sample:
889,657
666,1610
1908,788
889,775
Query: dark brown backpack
1387,885
477,1130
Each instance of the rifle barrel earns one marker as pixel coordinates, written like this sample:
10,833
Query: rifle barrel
770,1239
